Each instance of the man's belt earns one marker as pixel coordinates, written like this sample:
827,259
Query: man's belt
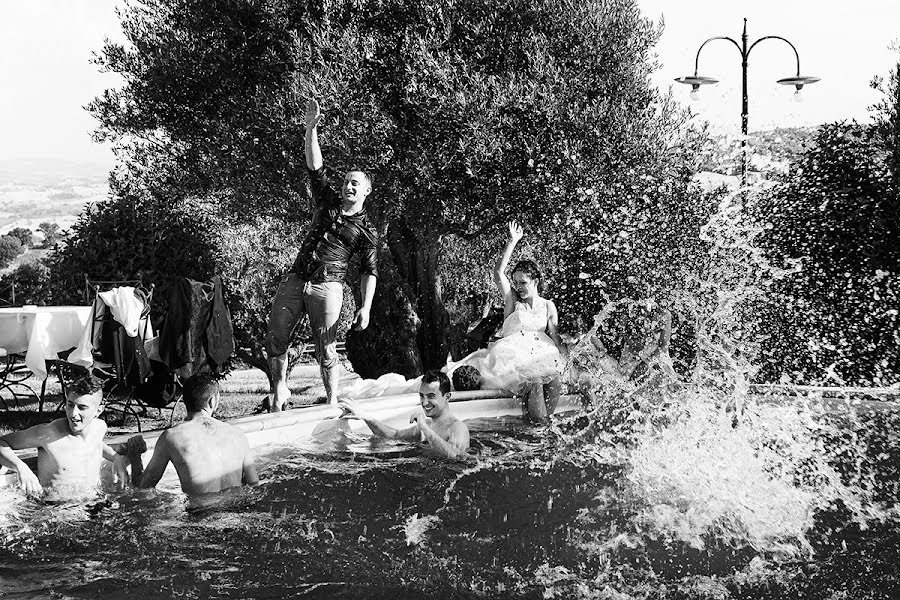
322,271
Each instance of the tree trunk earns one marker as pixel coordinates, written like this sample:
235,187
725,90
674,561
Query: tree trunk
432,338
408,329
388,344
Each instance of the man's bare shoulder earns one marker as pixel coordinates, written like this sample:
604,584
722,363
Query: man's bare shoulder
452,426
455,421
459,426
206,426
227,429
56,426
98,428
37,435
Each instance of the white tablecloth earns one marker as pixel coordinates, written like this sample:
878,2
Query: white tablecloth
41,332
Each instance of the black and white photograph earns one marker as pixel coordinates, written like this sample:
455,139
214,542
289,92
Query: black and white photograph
449,299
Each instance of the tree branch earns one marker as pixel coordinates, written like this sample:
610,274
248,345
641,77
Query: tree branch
462,230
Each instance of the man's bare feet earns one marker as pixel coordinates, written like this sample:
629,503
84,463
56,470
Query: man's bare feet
280,397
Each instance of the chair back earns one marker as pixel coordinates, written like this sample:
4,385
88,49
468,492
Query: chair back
92,289
111,344
8,294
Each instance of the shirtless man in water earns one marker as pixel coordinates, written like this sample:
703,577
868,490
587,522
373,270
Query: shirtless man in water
433,424
209,455
70,450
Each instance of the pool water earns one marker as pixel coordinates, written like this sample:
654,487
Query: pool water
558,512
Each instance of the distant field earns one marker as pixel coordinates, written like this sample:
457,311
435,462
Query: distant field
37,190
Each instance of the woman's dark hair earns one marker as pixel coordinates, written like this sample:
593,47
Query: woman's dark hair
466,378
530,268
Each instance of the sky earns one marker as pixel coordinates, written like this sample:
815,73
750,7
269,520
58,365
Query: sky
846,43
46,77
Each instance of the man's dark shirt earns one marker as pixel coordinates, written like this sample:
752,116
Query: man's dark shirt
333,237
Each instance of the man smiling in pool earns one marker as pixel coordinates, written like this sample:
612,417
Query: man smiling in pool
434,425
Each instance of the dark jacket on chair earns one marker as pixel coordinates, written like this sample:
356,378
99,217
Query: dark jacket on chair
196,335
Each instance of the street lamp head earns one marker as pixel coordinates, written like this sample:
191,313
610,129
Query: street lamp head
695,81
799,81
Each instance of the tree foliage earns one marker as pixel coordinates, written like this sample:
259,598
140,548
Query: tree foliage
23,234
51,231
10,248
838,214
887,119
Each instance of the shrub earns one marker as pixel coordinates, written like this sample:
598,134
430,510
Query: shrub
10,248
32,283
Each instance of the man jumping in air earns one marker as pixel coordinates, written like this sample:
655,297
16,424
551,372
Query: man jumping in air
339,229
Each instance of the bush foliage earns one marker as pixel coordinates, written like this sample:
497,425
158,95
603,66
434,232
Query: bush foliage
31,283
837,215
10,248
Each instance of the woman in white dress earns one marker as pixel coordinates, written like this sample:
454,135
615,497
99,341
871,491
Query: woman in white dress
526,359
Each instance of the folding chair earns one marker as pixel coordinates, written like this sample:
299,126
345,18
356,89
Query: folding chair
8,294
12,380
13,371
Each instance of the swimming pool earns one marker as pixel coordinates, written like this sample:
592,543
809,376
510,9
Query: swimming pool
570,511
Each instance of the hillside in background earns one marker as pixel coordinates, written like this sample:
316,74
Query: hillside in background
34,190
771,152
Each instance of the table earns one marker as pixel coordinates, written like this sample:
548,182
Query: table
42,332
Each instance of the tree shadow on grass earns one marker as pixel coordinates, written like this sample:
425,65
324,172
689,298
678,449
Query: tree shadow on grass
25,413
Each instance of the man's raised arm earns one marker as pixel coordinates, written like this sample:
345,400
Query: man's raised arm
313,151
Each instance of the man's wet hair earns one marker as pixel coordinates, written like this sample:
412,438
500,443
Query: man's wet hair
466,378
199,391
85,385
365,173
439,376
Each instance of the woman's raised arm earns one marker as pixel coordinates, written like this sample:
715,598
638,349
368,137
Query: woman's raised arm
515,234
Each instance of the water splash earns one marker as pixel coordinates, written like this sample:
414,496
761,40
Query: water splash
416,528
710,461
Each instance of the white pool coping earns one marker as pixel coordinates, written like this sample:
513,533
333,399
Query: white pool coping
296,426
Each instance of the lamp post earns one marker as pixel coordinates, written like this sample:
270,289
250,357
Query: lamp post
696,80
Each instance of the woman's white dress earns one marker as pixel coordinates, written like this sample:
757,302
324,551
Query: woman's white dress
523,355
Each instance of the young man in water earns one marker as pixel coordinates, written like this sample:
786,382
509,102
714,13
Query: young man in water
70,450
434,426
209,455
314,285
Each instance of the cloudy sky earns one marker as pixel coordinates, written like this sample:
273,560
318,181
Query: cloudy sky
47,77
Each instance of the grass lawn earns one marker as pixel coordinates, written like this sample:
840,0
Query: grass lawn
242,392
